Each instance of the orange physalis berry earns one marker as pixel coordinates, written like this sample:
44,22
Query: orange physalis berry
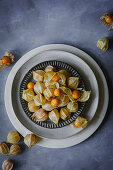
30,85
54,102
76,94
108,19
57,92
78,124
56,77
6,60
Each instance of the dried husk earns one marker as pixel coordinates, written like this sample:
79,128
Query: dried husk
11,56
82,120
103,44
50,68
32,107
72,106
13,137
38,75
65,114
15,150
84,95
40,115
54,115
7,165
30,140
73,82
39,99
28,95
65,72
4,149
110,25
47,106
48,93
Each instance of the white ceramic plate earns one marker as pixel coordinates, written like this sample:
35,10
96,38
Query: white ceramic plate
80,66
75,139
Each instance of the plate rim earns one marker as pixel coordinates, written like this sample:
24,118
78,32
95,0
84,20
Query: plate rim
72,49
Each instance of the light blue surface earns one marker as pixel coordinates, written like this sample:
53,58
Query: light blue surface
26,24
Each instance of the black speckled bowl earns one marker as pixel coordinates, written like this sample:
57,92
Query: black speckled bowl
28,77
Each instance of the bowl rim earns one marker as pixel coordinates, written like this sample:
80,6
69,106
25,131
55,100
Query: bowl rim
59,65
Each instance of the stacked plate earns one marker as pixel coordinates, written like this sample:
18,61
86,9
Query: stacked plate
93,78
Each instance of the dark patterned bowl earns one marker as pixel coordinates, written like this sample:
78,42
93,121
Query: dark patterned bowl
28,77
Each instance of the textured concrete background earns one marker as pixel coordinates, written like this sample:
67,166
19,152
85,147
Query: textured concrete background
26,24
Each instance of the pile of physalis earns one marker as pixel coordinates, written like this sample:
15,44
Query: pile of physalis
55,95
7,59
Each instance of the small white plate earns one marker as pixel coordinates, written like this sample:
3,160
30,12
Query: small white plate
87,76
75,139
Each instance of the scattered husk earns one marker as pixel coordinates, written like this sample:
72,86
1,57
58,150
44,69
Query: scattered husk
7,54
103,17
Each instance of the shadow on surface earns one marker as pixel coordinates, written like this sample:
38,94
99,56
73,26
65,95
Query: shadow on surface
110,43
16,164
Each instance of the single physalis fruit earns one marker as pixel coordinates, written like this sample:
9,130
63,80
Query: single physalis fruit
4,149
76,94
13,137
30,85
57,92
103,43
54,102
6,60
14,150
56,77
78,124
7,165
108,19
30,140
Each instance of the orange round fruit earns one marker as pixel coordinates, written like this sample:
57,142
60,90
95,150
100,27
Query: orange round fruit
56,77
76,94
108,19
30,85
78,124
54,102
6,60
57,92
